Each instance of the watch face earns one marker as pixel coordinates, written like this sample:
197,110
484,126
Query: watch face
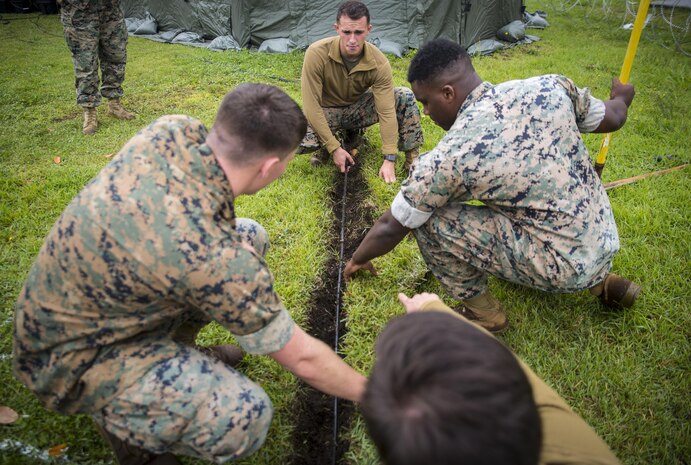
390,157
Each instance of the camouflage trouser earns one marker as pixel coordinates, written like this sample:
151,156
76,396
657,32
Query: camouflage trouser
190,404
461,246
96,35
363,114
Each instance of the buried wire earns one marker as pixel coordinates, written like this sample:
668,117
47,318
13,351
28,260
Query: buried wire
316,421
339,300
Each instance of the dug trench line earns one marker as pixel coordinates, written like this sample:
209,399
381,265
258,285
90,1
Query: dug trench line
320,419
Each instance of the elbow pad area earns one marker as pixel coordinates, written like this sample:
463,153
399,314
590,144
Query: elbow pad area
408,216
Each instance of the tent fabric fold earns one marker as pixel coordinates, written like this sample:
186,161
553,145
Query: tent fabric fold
400,24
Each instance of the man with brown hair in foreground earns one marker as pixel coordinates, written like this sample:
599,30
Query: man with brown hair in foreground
444,391
147,254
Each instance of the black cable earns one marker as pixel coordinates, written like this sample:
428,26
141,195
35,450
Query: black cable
42,29
338,304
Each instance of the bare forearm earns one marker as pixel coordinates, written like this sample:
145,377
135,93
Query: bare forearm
314,362
384,236
326,372
616,113
617,107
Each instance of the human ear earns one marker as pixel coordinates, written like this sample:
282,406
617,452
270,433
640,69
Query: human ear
267,165
448,92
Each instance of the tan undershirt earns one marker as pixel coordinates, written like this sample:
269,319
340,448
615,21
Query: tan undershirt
566,438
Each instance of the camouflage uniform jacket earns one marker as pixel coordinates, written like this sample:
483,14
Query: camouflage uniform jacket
326,82
517,148
148,244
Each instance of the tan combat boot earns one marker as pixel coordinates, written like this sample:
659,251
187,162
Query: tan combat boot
90,122
116,109
486,311
410,157
616,291
319,157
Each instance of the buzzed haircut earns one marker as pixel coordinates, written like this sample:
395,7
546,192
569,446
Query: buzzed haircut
353,10
259,119
444,392
435,57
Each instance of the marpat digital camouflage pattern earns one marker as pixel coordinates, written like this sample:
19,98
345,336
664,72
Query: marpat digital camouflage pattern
545,222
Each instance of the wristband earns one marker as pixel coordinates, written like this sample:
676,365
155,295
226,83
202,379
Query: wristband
390,157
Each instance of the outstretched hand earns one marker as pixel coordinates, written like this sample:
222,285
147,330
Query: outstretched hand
351,268
342,159
413,304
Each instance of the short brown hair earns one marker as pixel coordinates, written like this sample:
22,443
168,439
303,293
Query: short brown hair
444,392
353,10
259,119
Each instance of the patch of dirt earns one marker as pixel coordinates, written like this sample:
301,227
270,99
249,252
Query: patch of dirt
67,116
313,437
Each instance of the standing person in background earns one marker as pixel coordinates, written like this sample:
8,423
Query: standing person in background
347,84
97,37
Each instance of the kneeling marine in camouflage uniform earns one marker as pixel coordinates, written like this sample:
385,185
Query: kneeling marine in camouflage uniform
143,257
544,221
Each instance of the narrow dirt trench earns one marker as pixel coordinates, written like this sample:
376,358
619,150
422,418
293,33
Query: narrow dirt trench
313,436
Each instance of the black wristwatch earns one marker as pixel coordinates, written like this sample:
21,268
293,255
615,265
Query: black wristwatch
390,157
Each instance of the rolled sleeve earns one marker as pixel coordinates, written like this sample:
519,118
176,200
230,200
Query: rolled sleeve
433,182
594,117
407,215
589,111
271,337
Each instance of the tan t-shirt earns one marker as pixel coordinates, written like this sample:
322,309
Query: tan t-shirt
566,438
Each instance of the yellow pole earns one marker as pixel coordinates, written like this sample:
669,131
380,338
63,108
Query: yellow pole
624,76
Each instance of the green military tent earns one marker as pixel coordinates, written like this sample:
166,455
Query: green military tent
405,23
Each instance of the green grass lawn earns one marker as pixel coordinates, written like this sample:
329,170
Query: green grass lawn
628,373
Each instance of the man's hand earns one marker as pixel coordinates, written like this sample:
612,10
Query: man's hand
342,159
616,108
387,171
351,268
623,92
413,304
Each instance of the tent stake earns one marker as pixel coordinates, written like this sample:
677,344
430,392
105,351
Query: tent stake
623,182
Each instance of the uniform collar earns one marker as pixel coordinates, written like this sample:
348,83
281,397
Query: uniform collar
367,62
217,179
475,95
